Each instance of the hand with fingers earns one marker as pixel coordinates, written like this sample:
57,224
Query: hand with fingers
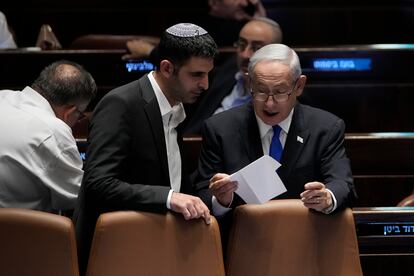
138,48
190,207
222,188
316,196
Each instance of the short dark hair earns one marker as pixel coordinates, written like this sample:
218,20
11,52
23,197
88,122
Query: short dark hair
179,50
64,82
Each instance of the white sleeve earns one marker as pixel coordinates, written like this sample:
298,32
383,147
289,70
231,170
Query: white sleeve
62,171
218,209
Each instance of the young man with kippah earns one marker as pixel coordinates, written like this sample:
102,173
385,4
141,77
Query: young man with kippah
133,158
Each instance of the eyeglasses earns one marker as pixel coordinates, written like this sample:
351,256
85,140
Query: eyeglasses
277,97
242,45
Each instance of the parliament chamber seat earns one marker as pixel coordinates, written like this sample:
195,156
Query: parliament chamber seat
386,239
382,166
283,237
140,243
36,243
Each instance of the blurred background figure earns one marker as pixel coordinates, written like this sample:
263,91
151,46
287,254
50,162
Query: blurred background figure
236,9
6,38
223,20
47,40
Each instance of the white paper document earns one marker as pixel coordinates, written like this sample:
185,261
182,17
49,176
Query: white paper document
258,181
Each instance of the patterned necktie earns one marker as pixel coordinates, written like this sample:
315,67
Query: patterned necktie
276,147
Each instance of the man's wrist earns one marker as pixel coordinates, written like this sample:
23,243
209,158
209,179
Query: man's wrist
328,209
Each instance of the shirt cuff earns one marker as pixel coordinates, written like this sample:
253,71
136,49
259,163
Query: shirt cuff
331,208
218,209
169,199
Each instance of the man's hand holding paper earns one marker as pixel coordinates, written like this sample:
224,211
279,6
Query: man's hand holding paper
258,182
222,187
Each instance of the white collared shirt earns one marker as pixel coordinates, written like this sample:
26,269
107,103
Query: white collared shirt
171,118
266,132
40,166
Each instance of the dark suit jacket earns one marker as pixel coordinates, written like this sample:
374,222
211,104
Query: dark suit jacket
231,140
127,164
221,86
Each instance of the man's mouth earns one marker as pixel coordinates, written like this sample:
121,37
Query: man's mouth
270,113
197,93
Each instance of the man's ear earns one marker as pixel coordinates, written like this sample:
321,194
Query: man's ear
63,112
300,85
68,111
166,68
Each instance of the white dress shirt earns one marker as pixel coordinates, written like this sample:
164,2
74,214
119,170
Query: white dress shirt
172,116
40,166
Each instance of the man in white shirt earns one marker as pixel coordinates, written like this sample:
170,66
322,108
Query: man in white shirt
40,166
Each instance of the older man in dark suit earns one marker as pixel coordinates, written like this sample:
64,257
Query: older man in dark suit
133,159
308,142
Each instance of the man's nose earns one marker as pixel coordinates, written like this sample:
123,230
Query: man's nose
204,83
270,101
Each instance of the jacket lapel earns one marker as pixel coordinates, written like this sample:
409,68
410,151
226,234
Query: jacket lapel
153,113
296,141
250,135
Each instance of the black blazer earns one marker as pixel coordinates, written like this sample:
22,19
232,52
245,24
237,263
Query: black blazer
221,86
231,140
127,164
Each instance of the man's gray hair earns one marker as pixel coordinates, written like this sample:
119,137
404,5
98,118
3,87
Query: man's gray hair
278,53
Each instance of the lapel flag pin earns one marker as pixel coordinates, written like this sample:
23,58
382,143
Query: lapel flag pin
299,139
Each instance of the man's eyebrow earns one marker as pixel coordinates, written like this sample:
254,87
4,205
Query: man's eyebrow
252,41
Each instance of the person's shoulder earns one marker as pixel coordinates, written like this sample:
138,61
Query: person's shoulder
231,117
320,119
317,113
127,94
54,131
226,70
229,63
125,90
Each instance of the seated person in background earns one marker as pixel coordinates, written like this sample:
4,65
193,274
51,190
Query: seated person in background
308,142
236,9
6,38
230,86
223,20
133,159
40,166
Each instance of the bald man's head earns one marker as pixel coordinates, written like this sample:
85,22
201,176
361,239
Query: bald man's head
255,34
